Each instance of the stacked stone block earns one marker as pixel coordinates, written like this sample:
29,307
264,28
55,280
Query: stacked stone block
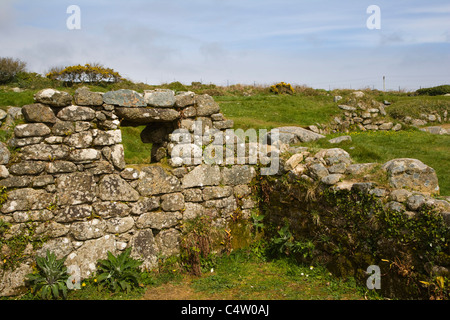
64,173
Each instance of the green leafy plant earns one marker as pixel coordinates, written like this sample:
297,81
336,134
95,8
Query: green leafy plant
257,221
119,273
49,281
282,242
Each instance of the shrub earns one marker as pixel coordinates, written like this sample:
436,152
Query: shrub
434,91
282,88
95,73
175,86
196,244
119,273
50,279
9,68
32,80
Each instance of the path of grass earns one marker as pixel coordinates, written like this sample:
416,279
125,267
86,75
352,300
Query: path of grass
242,277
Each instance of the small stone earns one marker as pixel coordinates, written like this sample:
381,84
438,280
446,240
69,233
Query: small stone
154,180
206,105
130,174
400,195
293,161
203,175
31,130
84,97
53,97
60,167
4,173
238,174
107,138
172,202
108,209
75,188
185,99
340,139
414,202
4,153
119,225
386,126
76,113
346,108
193,195
124,98
144,205
38,113
27,168
159,220
84,155
162,98
44,152
112,187
332,178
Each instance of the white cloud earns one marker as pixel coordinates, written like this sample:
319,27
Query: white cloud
321,43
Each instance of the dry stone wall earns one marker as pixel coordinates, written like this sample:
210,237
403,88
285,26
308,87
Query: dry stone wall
365,114
64,181
64,178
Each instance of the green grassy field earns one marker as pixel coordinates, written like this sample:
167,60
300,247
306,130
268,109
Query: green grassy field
270,111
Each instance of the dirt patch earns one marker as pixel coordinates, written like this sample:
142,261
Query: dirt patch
180,291
177,291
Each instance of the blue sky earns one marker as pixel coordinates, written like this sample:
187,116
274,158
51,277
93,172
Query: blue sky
323,44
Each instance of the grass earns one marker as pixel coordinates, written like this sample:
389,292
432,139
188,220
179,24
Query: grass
382,146
241,276
270,111
136,152
403,106
17,99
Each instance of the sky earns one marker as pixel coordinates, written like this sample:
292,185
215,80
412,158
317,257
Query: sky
321,44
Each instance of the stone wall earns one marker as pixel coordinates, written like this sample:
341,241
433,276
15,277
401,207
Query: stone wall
350,216
365,114
65,185
65,182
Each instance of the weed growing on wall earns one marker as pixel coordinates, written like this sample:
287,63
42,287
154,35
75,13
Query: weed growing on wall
348,231
16,248
196,244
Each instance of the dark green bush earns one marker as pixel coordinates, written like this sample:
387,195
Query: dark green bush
88,73
347,231
33,80
434,91
9,68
